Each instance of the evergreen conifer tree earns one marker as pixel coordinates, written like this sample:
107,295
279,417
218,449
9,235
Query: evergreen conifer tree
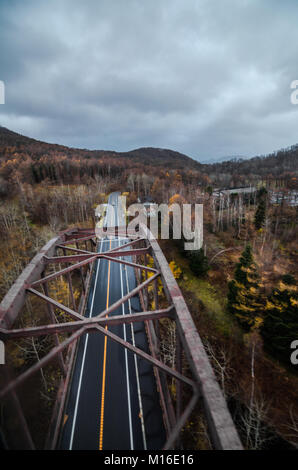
244,298
280,325
260,214
198,262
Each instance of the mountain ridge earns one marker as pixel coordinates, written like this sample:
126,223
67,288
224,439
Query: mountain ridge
10,137
281,161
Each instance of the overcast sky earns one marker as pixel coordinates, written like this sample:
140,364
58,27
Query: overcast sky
208,78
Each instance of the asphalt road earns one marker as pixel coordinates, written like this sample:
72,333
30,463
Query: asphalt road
113,403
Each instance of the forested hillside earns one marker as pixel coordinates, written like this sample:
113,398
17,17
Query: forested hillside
25,160
241,287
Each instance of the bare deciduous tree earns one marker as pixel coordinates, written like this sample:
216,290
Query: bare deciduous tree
221,361
253,423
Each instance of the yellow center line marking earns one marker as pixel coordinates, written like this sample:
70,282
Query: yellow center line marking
104,368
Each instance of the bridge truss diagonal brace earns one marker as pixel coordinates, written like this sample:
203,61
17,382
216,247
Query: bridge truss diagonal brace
42,363
147,357
78,240
81,320
89,257
88,322
68,258
91,327
56,304
64,271
132,293
76,250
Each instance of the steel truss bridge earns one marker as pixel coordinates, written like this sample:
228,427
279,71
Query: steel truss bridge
76,250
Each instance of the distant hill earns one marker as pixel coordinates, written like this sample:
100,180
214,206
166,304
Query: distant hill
209,161
146,155
276,164
36,160
8,137
157,156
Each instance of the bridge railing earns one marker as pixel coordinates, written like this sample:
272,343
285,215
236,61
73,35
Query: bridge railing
222,431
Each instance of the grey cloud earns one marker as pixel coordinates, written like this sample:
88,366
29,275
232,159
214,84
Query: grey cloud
204,78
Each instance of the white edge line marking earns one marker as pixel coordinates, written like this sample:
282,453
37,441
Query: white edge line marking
136,366
126,360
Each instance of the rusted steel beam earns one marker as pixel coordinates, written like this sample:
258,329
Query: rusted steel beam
170,411
55,351
77,240
170,444
119,231
129,263
156,305
161,384
135,251
222,431
105,312
149,328
164,405
88,255
63,271
56,339
70,282
147,357
57,416
83,279
67,259
73,301
133,242
179,369
134,318
133,292
76,250
73,326
57,304
221,427
42,363
145,290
